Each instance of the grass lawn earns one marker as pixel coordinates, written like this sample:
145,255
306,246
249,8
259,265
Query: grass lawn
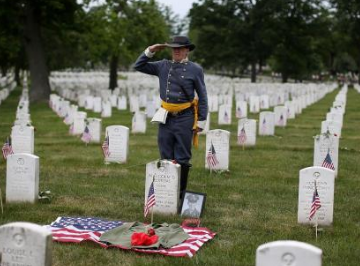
255,203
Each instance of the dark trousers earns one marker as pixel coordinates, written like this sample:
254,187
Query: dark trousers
175,137
175,140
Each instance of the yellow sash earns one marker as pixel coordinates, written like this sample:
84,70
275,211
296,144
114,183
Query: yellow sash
178,107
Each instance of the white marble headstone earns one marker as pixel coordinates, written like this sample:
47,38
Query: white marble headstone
241,109
220,140
325,182
264,101
94,126
97,108
288,253
246,132
150,108
25,244
79,123
22,139
166,176
224,117
254,104
326,151
118,144
89,102
331,126
280,116
335,117
106,109
138,124
122,103
134,103
22,178
267,124
213,103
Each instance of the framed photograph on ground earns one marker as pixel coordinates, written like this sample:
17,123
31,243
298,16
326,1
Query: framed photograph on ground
193,204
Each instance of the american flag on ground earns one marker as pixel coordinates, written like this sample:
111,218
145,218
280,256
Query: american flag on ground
327,163
79,229
238,112
105,147
150,201
7,149
211,157
263,126
242,136
315,205
86,136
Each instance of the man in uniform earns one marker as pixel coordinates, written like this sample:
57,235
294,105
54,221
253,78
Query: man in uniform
179,80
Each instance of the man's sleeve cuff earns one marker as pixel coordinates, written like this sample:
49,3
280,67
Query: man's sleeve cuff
201,124
148,53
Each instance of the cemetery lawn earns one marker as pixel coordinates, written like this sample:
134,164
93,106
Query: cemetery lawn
254,203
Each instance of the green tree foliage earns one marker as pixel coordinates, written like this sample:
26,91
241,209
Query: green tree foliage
23,26
119,30
348,14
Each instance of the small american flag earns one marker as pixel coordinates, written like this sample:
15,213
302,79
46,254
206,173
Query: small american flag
66,119
105,147
281,120
226,117
242,136
263,126
211,158
86,136
150,201
133,124
79,229
327,163
7,149
315,205
238,112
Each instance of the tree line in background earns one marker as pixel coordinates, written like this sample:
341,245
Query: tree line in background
296,38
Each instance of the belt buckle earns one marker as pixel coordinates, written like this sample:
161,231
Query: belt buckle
175,113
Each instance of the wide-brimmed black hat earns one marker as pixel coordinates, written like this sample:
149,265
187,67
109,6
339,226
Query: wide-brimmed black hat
181,41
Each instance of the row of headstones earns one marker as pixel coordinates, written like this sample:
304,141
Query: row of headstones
7,85
357,87
23,243
270,94
320,178
22,133
22,166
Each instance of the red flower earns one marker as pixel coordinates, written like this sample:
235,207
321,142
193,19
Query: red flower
151,232
142,239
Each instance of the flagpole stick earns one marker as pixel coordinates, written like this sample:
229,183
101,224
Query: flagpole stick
316,227
2,209
152,214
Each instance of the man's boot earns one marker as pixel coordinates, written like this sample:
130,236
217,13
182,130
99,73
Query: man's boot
183,179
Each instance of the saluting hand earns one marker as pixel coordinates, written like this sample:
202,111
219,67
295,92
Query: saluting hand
157,47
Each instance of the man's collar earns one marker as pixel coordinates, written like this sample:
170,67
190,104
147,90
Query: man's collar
185,60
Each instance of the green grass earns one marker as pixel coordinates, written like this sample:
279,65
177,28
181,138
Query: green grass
256,202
